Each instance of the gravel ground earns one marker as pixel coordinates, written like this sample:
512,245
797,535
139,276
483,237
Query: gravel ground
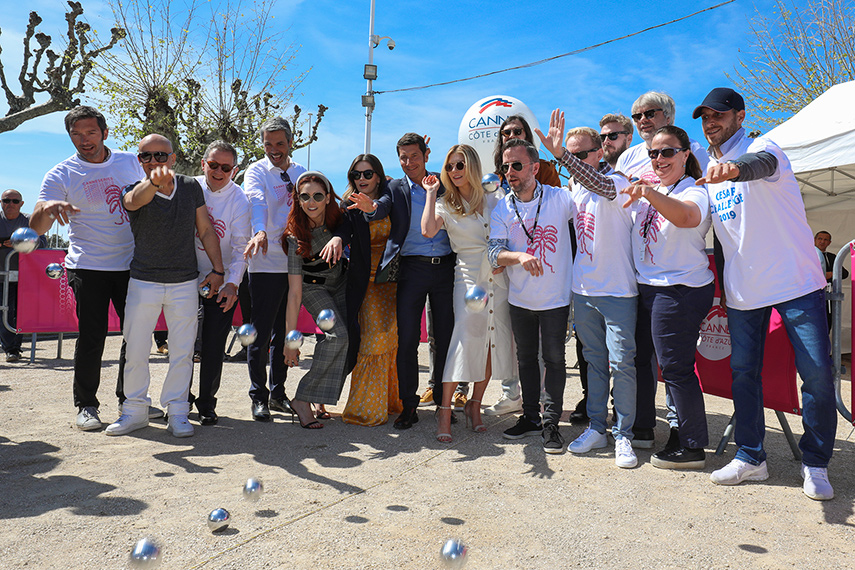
352,497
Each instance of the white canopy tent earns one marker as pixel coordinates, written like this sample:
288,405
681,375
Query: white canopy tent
820,143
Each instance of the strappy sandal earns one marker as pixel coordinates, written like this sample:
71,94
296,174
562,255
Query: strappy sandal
443,437
480,428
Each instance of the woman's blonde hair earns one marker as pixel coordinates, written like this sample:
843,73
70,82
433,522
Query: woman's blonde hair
472,171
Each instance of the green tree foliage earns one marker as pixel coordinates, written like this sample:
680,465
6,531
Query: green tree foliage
198,71
64,74
796,54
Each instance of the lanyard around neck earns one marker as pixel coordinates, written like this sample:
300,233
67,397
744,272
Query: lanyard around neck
530,236
651,211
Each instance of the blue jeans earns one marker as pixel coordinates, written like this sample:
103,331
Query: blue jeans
606,327
676,313
806,325
531,329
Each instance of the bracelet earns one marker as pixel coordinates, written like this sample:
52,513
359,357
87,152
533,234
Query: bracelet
155,185
215,272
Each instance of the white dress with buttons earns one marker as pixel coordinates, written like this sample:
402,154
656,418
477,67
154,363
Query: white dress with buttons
489,330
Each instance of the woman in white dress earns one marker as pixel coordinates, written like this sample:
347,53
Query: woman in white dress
481,342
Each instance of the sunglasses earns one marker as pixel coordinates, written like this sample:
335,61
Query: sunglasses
226,168
583,154
648,114
357,174
665,152
514,131
612,136
287,180
11,201
317,197
518,166
145,157
452,166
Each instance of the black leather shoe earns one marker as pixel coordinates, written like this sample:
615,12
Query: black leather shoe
208,418
260,412
282,404
673,440
679,458
407,418
643,438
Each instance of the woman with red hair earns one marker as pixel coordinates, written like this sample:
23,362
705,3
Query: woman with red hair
316,285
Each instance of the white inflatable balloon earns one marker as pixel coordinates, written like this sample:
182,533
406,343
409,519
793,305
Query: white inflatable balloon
480,125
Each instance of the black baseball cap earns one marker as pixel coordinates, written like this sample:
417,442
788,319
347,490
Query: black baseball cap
720,99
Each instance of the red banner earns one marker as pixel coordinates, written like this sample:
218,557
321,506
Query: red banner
712,360
47,305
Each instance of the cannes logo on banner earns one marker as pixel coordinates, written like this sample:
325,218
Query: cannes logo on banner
480,125
714,342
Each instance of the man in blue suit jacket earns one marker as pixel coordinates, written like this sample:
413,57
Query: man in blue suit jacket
426,271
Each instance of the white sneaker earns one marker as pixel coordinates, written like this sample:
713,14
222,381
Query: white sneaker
88,420
590,439
738,471
816,484
503,406
624,455
125,425
179,426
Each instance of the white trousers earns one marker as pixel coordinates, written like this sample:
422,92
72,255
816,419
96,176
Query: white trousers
179,302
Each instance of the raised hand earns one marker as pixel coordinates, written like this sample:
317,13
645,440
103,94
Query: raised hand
554,142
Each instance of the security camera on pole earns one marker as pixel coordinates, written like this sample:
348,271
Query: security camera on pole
370,74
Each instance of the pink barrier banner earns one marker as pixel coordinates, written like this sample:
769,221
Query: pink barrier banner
47,305
852,405
712,360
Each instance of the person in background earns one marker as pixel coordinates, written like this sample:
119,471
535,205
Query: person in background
822,240
12,219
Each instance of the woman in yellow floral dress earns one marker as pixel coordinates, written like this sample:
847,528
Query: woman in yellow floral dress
372,327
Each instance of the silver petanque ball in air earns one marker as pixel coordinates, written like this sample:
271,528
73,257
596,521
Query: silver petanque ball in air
146,554
54,270
24,240
453,553
294,340
247,334
253,489
204,290
218,520
475,298
326,320
490,182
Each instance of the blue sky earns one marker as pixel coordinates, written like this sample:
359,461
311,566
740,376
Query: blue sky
439,41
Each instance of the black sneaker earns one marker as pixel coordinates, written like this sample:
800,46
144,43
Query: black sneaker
13,356
679,458
552,440
580,414
523,428
642,438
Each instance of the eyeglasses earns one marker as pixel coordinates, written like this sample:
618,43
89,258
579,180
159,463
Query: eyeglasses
648,114
317,197
145,157
518,166
612,136
226,168
665,152
287,180
366,174
516,131
11,201
583,154
452,166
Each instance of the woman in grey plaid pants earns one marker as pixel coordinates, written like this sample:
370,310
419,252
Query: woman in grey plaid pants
317,281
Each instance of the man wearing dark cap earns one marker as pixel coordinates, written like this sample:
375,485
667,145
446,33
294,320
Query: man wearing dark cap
769,262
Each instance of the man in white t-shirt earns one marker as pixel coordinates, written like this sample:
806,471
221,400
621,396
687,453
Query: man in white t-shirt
84,192
530,235
769,263
269,185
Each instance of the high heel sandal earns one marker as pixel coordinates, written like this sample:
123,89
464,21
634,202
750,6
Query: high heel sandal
314,424
443,437
480,428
